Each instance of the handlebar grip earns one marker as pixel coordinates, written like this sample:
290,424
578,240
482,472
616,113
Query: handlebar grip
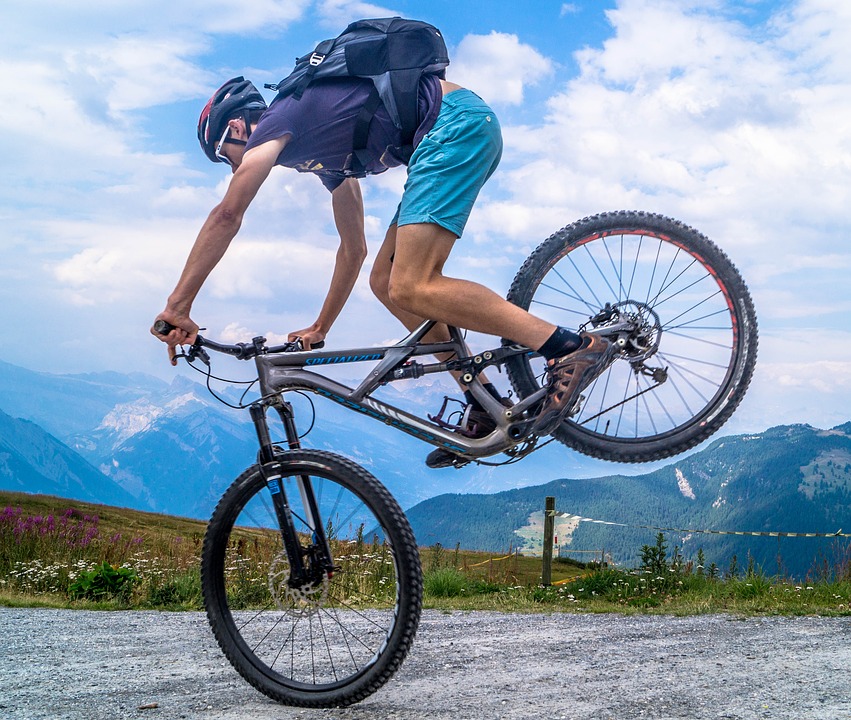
163,327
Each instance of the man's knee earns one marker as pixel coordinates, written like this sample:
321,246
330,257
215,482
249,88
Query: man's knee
379,279
404,291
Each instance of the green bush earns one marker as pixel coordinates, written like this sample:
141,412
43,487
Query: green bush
603,582
749,587
104,581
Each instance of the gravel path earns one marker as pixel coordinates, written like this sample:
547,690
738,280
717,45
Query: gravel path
70,665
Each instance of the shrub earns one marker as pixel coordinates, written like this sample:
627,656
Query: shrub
181,590
104,581
749,587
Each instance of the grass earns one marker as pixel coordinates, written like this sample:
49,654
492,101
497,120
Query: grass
60,553
67,554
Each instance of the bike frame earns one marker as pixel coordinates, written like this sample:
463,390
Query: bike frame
287,371
284,371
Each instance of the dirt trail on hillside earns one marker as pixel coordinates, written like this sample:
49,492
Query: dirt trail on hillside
74,665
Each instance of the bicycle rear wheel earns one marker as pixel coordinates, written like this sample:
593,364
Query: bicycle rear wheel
684,369
339,639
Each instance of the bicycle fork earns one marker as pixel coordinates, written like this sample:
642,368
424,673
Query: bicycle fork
318,553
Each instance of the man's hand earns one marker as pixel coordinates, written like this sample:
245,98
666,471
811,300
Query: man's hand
309,337
184,332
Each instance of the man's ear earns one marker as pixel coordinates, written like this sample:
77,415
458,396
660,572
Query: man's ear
237,128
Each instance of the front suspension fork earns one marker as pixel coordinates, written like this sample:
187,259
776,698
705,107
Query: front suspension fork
320,561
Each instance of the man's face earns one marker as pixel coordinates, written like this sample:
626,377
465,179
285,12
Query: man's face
227,150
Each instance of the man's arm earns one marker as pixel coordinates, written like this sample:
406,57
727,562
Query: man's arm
214,239
347,203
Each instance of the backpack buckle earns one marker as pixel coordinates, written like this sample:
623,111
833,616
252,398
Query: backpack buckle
316,59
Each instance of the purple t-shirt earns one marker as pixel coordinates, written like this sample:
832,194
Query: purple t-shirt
322,124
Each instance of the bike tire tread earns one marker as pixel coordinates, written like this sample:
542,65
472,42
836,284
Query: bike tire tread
409,563
612,448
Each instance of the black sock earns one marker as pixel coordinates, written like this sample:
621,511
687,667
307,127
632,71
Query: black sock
561,342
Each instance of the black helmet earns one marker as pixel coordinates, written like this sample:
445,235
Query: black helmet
236,96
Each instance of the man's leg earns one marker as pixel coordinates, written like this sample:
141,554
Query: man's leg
379,281
445,176
418,287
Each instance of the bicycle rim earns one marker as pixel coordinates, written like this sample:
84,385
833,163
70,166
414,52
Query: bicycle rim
333,642
698,344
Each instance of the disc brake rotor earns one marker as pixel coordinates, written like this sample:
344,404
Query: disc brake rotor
634,327
300,601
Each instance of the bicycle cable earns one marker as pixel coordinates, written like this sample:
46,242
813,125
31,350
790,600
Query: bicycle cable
208,374
517,458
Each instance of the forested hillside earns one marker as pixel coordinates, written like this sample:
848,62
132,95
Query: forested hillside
787,479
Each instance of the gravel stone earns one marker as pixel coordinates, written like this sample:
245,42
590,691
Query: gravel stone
71,664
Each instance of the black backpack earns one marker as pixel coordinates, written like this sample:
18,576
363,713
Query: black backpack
392,52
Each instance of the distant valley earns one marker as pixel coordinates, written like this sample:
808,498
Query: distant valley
174,448
137,441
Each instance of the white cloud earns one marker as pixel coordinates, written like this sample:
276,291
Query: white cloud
70,22
788,388
113,261
685,112
49,121
498,66
821,376
77,87
337,14
818,32
270,267
133,72
117,263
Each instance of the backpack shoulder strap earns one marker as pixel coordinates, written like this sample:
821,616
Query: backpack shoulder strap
361,156
322,51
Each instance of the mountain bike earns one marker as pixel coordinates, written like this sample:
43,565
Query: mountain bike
310,571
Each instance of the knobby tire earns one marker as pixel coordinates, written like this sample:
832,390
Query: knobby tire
701,313
340,644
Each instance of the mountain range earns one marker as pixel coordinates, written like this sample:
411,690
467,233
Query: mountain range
787,479
174,448
140,442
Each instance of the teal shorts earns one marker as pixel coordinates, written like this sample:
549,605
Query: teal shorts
451,164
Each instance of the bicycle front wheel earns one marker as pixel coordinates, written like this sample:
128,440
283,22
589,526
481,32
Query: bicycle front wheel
340,638
685,366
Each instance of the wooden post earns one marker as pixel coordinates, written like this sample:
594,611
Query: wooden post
549,525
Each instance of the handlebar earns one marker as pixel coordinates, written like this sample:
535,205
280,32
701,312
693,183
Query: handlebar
241,351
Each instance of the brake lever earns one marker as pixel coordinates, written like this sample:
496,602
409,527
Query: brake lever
196,351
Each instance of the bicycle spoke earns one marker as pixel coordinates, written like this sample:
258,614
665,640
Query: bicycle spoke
690,324
329,628
705,341
581,314
672,287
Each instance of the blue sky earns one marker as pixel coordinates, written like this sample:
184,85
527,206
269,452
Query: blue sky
733,116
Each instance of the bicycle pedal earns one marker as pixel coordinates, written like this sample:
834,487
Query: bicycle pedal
456,420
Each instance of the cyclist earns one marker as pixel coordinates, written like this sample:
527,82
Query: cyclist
456,149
